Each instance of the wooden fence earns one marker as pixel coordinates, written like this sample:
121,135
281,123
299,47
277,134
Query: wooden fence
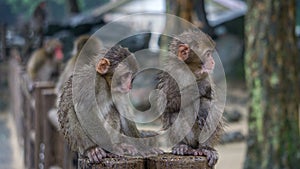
30,103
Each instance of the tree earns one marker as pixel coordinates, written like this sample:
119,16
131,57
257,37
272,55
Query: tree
188,9
271,64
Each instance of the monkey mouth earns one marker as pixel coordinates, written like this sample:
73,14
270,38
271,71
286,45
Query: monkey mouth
203,71
208,69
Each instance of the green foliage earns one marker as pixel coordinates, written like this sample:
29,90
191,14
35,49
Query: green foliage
26,7
23,6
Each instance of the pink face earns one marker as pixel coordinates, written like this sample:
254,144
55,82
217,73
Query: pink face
208,63
58,53
125,83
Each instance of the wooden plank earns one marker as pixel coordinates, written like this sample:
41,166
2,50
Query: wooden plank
57,152
167,161
114,163
38,120
28,142
49,131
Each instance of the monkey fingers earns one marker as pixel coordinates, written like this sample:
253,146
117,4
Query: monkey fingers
95,154
210,153
156,151
151,151
181,149
124,148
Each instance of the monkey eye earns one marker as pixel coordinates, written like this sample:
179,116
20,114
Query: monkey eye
208,53
126,75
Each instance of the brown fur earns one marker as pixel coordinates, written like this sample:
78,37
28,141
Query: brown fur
94,46
42,64
199,42
68,119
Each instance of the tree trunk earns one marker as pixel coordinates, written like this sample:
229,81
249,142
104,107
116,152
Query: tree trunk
272,79
199,6
182,9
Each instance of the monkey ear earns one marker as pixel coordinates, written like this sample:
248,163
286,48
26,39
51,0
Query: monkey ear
183,52
102,66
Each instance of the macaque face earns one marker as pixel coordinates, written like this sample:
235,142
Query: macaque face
58,52
122,79
54,48
208,63
119,79
199,64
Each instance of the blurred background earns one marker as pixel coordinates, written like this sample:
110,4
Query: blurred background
258,44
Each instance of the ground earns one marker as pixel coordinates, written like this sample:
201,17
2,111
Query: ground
11,152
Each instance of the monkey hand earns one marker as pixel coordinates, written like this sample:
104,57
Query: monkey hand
151,152
181,149
210,153
125,149
95,154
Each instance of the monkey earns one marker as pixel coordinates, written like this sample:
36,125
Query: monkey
93,47
38,23
104,66
183,49
44,63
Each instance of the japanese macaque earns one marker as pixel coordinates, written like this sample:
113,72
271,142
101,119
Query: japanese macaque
182,49
43,64
93,47
39,21
103,66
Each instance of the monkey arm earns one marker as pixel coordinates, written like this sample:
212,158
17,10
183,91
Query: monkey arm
68,71
70,126
129,128
35,62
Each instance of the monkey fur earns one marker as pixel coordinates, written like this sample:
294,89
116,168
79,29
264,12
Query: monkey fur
93,46
182,48
104,67
44,63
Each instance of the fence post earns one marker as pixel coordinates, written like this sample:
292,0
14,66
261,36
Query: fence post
38,121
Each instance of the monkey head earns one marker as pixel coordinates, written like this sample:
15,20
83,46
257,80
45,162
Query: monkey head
53,48
196,50
118,67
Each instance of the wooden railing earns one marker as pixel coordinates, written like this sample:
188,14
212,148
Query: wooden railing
30,102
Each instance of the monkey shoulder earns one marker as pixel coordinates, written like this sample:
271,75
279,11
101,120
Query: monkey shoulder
70,126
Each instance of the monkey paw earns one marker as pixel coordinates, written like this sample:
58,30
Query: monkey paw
151,152
123,148
95,154
210,153
181,149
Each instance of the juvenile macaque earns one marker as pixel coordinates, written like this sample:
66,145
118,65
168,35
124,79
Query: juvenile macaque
183,49
104,66
93,47
43,64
